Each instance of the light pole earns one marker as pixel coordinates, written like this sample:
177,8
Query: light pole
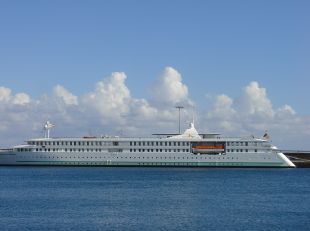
179,107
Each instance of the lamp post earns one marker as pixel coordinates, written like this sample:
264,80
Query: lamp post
179,107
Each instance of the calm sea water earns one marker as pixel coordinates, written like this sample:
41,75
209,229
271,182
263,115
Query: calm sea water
94,198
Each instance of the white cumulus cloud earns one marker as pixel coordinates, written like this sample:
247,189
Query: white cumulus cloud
111,98
67,97
222,107
285,111
5,94
170,89
21,99
254,101
18,99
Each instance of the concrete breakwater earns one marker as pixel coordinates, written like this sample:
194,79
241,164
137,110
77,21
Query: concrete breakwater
300,159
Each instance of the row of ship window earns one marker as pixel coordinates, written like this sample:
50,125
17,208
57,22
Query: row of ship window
104,143
240,143
74,143
246,143
158,143
115,150
159,150
67,150
134,157
132,143
239,150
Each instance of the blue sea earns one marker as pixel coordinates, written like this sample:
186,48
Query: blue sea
107,198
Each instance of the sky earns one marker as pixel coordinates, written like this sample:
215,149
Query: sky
120,67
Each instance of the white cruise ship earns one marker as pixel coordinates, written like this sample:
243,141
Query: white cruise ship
189,149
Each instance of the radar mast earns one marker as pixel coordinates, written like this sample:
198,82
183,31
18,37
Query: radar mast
47,127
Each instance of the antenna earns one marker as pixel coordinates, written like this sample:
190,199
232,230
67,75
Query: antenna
48,126
194,116
179,107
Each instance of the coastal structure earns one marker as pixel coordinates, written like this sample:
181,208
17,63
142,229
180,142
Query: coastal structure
189,149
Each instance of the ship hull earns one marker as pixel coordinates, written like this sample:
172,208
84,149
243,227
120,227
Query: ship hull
146,160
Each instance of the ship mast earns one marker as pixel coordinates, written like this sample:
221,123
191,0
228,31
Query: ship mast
48,126
179,107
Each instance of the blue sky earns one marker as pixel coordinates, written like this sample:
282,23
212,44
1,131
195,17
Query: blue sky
218,47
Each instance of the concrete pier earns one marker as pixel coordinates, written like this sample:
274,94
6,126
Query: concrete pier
300,159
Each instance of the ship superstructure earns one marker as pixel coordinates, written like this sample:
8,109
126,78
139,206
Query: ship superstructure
189,149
